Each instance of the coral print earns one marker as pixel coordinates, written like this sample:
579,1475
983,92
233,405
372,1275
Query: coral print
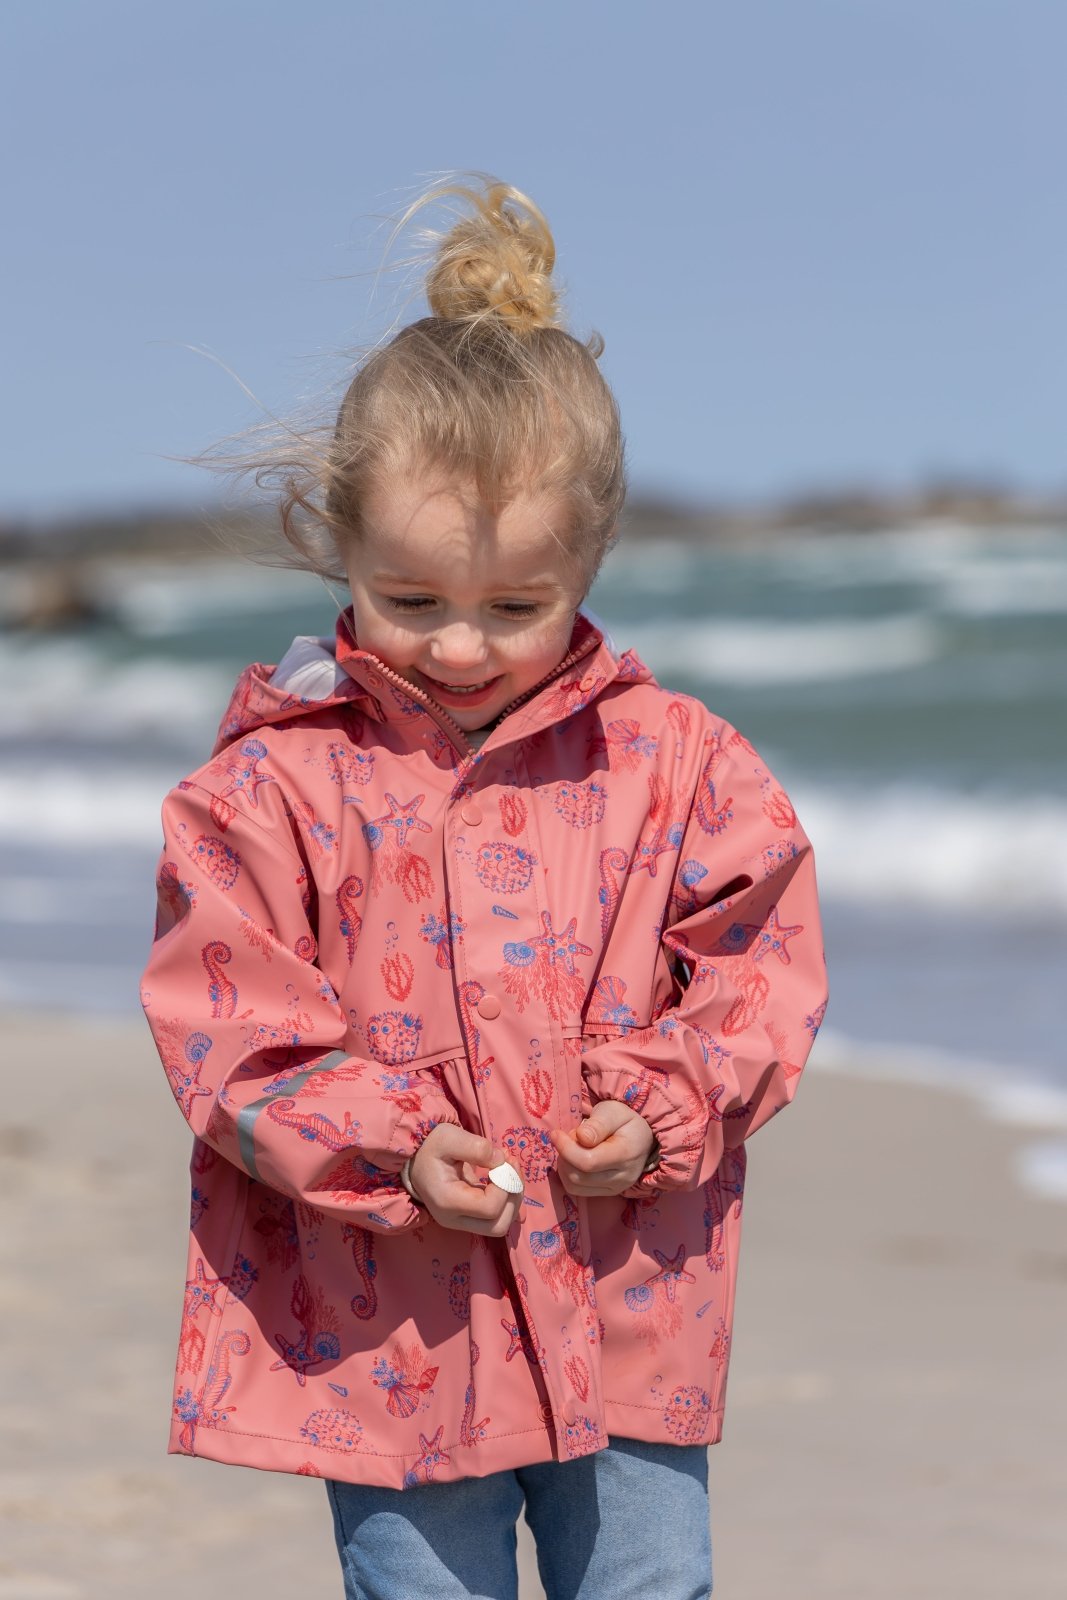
368,930
400,864
545,967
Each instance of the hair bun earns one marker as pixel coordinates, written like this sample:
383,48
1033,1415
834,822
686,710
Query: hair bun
495,263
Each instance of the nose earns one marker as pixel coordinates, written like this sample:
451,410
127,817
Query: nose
459,647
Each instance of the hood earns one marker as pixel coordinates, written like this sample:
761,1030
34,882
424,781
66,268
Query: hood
317,673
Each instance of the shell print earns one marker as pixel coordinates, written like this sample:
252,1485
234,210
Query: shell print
370,928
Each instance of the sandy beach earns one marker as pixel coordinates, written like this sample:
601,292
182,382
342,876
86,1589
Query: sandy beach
896,1410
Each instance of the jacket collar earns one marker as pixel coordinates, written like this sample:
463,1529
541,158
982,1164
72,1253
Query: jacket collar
589,665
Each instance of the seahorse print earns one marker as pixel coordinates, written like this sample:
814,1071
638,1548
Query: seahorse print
714,1254
471,1432
351,923
405,1379
206,1410
318,1339
314,1127
470,993
544,966
712,817
364,1304
614,864
221,991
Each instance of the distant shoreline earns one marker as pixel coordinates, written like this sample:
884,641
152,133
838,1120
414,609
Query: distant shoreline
50,571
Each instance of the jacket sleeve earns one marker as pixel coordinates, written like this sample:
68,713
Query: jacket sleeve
743,936
250,1031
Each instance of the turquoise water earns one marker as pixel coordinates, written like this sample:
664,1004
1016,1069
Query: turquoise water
909,689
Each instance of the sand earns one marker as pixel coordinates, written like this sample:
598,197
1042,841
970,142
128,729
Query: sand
897,1408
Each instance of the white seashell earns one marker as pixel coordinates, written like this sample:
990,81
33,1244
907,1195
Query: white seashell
505,1177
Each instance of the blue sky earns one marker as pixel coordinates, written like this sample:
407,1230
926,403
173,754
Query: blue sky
823,239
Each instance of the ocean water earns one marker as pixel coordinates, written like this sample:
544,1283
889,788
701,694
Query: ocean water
909,689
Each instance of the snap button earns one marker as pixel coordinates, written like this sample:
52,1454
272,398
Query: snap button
488,1007
586,684
471,813
570,1413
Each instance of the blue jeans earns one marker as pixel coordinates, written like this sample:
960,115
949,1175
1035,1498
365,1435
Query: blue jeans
626,1522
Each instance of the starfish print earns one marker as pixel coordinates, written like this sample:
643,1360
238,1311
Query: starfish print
402,817
647,851
773,937
432,1454
245,776
671,1273
562,947
520,1341
187,1087
201,1291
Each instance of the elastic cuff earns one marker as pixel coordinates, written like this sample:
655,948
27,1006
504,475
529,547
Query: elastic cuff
405,1178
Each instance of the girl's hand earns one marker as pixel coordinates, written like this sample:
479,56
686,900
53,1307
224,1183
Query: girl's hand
606,1153
444,1173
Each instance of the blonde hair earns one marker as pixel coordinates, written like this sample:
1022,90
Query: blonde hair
490,387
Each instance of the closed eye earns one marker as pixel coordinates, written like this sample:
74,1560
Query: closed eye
416,603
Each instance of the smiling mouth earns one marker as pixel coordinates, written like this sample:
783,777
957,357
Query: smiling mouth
462,688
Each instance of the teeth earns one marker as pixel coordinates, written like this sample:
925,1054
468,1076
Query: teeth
468,688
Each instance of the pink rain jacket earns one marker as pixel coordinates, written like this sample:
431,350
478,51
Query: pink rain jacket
367,928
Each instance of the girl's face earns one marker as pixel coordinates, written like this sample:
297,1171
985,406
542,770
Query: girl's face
472,607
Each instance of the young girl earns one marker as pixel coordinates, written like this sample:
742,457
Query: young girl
479,956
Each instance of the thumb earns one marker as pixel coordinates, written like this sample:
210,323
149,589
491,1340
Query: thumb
598,1125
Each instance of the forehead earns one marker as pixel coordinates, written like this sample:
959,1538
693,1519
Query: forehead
439,521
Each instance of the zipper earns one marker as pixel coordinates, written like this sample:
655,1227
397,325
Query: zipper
452,727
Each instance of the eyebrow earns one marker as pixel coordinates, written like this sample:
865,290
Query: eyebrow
421,583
